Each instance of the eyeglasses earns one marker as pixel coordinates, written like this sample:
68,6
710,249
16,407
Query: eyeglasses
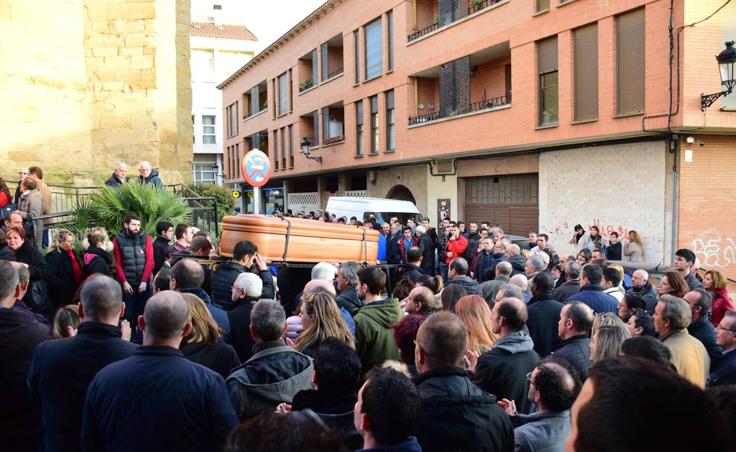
724,328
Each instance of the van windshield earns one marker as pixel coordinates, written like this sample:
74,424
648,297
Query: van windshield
384,217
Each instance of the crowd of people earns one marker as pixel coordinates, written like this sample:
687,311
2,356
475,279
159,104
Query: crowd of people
457,340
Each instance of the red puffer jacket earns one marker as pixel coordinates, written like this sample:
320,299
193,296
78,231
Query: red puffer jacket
456,247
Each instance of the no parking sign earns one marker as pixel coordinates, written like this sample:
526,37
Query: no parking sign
256,168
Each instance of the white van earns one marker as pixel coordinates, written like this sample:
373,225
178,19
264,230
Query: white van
383,209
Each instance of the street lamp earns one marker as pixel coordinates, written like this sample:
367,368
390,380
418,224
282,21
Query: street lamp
726,63
306,148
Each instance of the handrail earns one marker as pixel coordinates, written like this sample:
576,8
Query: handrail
473,7
480,105
335,73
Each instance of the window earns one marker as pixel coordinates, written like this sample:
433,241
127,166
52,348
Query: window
194,134
283,94
204,173
547,68
359,127
291,93
390,122
585,48
315,125
314,66
275,98
373,50
276,150
630,63
283,148
356,40
291,147
390,39
232,120
208,129
541,5
374,124
324,50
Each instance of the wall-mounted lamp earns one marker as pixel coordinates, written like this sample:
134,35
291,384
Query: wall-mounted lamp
727,65
306,148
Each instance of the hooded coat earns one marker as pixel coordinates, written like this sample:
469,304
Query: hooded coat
96,260
374,338
647,293
502,370
518,264
275,374
152,179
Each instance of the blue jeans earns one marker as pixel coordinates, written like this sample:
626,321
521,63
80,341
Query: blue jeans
135,303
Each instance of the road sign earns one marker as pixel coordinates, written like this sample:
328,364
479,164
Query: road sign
256,168
236,194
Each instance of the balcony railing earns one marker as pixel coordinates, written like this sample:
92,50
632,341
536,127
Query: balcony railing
473,7
332,140
475,106
334,73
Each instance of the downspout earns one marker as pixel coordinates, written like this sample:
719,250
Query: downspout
675,149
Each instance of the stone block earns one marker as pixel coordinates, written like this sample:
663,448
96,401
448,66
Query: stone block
117,62
129,26
133,11
138,40
141,62
105,51
133,51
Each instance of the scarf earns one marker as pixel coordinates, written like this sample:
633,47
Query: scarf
75,268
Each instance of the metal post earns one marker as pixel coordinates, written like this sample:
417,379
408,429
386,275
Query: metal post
256,200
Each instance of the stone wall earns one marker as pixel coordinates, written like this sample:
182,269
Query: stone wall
88,83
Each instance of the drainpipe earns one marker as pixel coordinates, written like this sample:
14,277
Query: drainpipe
675,149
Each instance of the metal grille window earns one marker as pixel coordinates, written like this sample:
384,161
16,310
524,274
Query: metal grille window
291,147
390,39
232,120
315,61
359,127
208,129
548,81
315,126
356,40
276,150
283,148
390,121
374,124
585,47
373,49
283,94
455,87
630,62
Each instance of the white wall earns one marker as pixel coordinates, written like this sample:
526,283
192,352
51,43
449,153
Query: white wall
618,187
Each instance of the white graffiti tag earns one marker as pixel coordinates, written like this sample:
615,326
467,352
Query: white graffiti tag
714,250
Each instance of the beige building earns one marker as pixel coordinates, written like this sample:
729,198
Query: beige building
88,83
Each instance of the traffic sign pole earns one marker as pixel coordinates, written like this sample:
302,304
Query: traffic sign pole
256,200
257,170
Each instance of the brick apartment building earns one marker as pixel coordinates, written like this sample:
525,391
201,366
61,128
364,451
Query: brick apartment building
532,114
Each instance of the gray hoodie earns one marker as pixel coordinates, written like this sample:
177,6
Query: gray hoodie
514,343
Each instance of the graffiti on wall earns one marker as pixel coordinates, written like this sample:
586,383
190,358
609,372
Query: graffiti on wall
714,250
565,228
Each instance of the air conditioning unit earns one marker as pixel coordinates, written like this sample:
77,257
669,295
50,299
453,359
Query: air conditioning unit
443,167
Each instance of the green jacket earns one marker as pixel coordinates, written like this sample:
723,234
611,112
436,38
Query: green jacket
374,338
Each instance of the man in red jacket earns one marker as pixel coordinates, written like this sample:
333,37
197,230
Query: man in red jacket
456,245
133,250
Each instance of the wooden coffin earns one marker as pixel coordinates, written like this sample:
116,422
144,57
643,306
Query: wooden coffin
299,240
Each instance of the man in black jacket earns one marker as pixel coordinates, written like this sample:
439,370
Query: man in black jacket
62,369
347,283
20,419
119,176
224,273
427,247
684,261
700,327
544,314
164,233
456,414
413,268
246,290
640,286
571,286
502,370
458,275
576,320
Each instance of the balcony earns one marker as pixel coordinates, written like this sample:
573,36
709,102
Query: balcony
333,121
474,83
432,15
255,100
331,58
307,69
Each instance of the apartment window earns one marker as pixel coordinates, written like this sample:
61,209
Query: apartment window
283,94
194,130
291,147
390,38
208,129
291,93
315,125
275,98
359,127
324,50
585,48
541,5
276,150
374,124
283,148
356,42
390,122
205,173
373,49
315,62
630,63
232,120
547,69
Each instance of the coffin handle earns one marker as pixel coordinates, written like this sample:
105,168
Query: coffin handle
288,236
365,249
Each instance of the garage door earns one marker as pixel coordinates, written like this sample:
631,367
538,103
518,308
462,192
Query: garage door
511,202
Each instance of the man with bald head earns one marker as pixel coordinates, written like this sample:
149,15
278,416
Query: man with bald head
502,370
157,399
640,286
187,276
456,414
522,283
489,289
62,369
553,387
149,175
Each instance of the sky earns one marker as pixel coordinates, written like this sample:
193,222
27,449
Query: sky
269,19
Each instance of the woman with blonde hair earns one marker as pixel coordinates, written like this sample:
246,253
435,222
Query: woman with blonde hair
715,282
475,314
63,271
66,321
321,319
97,257
606,340
634,248
203,345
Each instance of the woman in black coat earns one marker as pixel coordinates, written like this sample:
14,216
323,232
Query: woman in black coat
204,343
63,270
96,259
26,253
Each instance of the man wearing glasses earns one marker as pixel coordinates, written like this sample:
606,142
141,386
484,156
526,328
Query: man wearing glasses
724,370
